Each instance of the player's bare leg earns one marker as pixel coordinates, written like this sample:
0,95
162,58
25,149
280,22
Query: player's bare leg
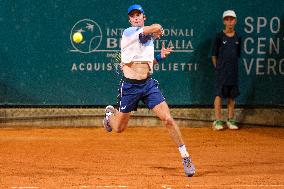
231,122
119,121
115,120
163,112
218,107
231,107
218,123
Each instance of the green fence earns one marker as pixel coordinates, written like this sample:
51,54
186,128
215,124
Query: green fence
40,65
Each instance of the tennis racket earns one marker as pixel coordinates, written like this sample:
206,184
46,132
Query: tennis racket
115,64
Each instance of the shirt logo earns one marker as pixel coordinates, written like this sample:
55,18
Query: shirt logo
224,42
237,42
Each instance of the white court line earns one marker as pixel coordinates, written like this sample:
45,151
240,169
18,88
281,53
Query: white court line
94,186
112,186
25,187
239,185
229,185
166,186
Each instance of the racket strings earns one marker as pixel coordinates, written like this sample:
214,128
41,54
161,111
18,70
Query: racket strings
115,62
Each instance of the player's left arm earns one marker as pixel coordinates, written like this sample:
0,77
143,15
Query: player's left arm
165,52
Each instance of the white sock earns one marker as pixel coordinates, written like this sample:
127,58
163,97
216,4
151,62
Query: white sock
183,151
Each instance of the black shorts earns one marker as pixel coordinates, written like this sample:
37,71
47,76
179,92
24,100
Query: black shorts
227,91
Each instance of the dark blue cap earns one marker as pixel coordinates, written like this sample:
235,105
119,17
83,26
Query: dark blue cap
135,7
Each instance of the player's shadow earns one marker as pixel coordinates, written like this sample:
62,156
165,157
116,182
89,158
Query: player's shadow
206,173
175,171
250,94
167,170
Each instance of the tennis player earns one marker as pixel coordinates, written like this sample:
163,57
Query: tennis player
137,59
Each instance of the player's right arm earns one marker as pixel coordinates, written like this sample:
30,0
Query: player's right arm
155,29
214,60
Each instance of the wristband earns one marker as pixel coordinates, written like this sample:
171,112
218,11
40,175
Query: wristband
158,57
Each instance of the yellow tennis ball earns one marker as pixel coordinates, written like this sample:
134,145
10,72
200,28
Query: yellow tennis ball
77,37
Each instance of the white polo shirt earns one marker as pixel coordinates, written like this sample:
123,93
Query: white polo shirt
133,50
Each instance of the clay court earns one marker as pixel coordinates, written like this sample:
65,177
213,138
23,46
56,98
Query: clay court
140,158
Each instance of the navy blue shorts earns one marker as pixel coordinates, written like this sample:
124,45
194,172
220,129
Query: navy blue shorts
132,91
228,91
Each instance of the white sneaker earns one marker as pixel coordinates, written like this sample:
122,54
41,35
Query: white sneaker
232,124
218,125
108,112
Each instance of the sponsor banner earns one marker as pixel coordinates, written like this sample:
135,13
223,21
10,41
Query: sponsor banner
41,64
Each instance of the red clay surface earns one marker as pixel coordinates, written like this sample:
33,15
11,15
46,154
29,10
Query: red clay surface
140,158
